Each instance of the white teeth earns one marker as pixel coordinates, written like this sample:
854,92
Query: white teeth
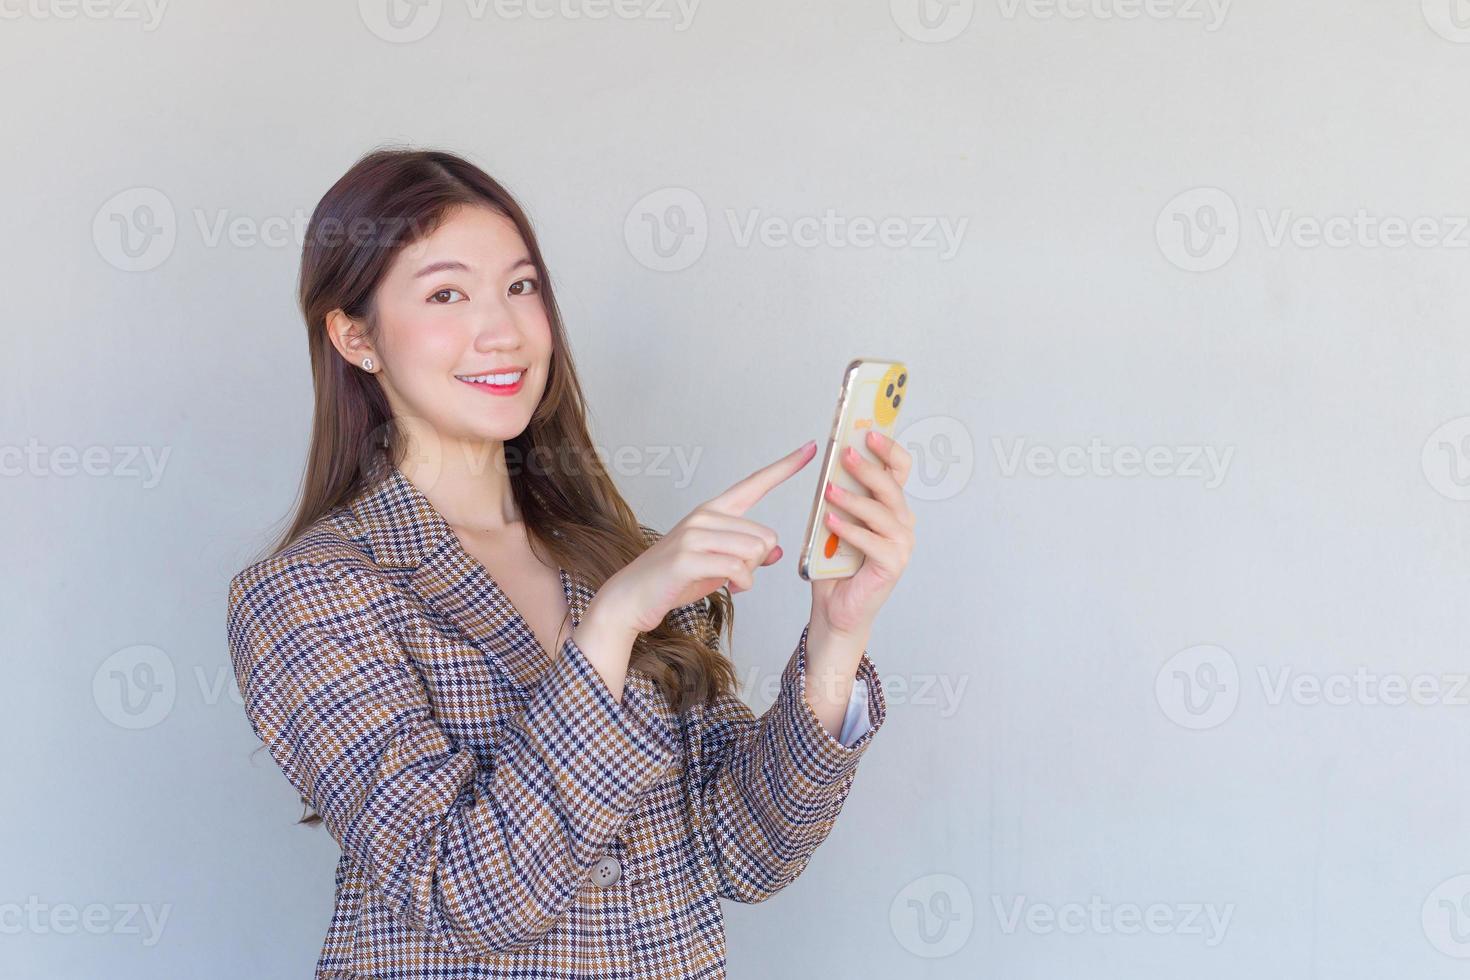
492,379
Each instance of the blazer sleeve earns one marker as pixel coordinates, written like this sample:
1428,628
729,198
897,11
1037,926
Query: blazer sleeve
481,859
770,788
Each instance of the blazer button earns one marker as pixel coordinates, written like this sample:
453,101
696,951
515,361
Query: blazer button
606,871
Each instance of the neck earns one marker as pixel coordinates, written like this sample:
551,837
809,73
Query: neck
468,484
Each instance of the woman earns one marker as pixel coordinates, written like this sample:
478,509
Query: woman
514,798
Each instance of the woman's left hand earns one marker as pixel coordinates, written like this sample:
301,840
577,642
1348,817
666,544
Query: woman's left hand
880,526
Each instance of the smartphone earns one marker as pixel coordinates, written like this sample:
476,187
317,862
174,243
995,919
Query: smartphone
873,391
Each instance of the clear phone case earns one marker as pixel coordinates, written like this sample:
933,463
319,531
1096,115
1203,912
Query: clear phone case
872,394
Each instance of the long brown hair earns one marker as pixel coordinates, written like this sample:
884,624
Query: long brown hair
574,515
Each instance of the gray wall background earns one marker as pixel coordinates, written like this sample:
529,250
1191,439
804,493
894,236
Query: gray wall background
1177,675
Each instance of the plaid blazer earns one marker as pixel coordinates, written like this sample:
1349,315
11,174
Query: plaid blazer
499,813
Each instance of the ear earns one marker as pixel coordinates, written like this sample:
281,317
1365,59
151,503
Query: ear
349,337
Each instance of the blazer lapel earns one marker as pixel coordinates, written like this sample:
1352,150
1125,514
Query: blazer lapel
406,532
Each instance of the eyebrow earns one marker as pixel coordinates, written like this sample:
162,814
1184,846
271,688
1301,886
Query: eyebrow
455,264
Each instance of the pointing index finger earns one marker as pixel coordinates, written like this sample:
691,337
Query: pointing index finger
743,495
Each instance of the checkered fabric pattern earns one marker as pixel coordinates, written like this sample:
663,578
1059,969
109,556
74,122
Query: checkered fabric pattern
474,784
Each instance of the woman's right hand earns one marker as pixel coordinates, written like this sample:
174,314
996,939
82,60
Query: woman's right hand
714,544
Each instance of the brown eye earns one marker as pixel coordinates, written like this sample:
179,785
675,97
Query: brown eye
531,287
445,292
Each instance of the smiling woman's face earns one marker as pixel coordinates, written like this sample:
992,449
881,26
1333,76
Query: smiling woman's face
464,302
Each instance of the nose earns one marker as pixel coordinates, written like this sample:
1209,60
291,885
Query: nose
497,329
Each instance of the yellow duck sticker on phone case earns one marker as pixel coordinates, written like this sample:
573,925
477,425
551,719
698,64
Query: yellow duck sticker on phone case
890,393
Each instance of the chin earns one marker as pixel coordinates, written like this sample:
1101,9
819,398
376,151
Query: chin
500,431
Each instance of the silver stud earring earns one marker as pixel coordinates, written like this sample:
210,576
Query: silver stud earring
367,363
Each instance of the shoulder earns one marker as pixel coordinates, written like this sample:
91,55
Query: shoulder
304,618
323,571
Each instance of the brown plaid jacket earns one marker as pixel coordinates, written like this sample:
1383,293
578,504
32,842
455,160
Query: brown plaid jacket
500,814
